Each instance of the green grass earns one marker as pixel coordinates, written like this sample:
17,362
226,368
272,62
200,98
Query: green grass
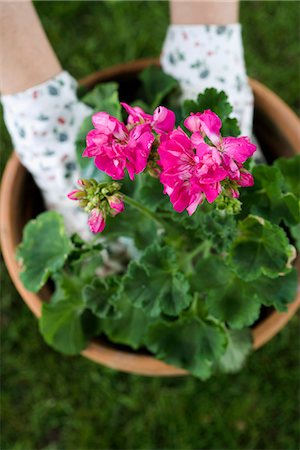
53,402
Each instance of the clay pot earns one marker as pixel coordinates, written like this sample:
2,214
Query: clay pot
278,131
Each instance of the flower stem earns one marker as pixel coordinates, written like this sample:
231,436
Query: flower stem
130,201
203,248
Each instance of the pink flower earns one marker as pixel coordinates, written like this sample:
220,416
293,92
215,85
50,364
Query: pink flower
189,174
96,221
204,124
234,151
208,124
162,121
116,148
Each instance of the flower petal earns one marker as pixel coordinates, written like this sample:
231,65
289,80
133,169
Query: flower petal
113,166
207,123
136,114
163,120
211,191
240,149
211,125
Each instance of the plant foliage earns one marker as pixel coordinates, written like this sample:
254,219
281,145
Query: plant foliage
195,284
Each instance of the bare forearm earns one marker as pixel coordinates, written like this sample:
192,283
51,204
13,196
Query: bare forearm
27,57
207,12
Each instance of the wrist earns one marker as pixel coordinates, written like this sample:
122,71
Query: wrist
205,12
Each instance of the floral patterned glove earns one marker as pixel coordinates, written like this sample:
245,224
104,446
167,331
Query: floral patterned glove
43,122
203,56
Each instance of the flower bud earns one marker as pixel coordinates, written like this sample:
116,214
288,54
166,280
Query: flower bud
75,195
96,221
116,204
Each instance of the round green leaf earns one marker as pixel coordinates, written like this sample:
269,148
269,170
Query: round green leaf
189,342
260,248
155,284
44,249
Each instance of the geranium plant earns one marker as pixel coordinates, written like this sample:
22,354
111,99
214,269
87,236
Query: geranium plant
192,237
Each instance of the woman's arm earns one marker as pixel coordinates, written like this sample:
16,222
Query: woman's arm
27,58
41,109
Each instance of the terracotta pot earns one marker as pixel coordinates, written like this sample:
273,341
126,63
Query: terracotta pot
277,129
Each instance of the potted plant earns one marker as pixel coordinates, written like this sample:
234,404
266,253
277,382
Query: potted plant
189,282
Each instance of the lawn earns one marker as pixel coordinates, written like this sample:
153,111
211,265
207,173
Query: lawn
68,403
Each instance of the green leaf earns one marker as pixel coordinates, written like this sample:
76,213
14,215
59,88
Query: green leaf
156,85
239,347
295,232
233,305
86,265
278,292
189,106
105,97
155,284
129,326
99,297
230,127
269,197
61,320
260,248
228,298
61,327
208,224
150,192
290,170
144,231
44,249
190,343
216,101
235,301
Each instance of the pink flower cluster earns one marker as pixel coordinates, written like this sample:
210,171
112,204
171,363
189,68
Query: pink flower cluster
116,146
194,167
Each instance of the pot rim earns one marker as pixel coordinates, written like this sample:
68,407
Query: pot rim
98,350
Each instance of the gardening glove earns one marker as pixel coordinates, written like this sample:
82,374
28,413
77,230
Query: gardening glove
203,56
43,122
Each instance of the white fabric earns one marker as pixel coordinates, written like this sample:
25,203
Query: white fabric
203,56
43,122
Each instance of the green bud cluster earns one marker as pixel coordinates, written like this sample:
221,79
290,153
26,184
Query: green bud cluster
95,194
228,204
